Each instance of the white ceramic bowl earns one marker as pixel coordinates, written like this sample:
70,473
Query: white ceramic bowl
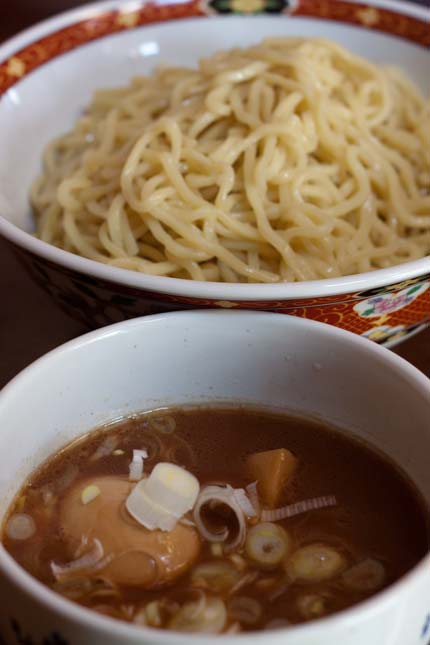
187,357
48,74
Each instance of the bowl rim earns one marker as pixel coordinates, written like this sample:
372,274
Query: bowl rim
86,618
186,288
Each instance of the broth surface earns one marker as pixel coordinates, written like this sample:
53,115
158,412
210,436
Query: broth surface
378,518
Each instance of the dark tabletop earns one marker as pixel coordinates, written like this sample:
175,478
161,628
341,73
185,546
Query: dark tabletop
30,322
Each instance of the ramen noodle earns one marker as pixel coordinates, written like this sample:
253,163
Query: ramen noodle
290,160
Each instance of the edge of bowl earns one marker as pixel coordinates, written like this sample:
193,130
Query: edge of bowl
86,617
189,288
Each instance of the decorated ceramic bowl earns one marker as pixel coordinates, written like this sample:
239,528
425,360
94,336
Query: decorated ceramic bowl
254,357
48,74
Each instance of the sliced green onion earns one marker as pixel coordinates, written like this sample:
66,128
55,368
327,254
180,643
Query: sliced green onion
20,527
217,576
89,494
207,617
149,615
365,576
312,606
245,610
315,563
267,544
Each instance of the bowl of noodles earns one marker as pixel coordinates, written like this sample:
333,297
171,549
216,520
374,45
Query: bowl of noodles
251,154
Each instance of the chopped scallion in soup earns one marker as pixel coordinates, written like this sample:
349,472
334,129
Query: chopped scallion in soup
217,520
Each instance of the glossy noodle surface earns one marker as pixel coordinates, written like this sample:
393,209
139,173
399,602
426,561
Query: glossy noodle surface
290,160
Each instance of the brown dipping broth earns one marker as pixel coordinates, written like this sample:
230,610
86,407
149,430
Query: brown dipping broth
379,514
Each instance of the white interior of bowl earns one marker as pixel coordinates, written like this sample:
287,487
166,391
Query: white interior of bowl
48,101
213,356
183,358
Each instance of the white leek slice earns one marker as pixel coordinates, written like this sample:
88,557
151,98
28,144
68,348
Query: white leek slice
214,495
173,488
148,513
244,502
159,501
93,560
136,465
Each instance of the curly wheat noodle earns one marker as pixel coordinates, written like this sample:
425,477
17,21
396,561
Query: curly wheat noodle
291,160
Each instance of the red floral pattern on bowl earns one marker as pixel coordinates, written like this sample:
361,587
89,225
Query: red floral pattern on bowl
392,311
